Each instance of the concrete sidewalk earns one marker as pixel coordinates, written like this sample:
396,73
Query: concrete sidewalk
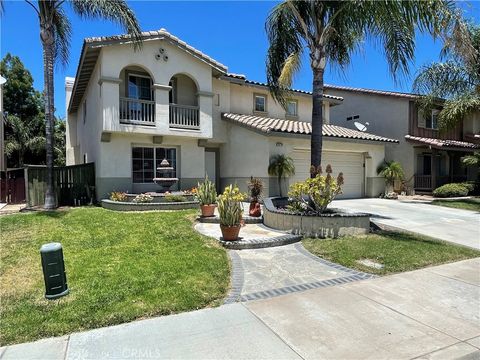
432,313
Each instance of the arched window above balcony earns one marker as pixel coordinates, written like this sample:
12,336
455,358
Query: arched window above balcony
137,97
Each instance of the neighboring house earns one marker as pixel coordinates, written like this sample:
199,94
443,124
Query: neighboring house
127,111
430,158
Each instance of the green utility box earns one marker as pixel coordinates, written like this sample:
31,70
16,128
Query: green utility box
53,270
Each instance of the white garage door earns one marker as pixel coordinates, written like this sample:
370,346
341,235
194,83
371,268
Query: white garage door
351,164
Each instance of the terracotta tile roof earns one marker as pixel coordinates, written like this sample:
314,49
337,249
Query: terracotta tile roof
243,79
441,144
155,35
271,126
372,91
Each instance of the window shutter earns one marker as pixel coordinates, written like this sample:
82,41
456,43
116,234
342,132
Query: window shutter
421,119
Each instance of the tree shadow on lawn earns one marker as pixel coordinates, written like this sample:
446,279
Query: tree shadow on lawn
410,237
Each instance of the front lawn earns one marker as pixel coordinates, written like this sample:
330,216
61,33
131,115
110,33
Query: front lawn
120,267
466,204
396,251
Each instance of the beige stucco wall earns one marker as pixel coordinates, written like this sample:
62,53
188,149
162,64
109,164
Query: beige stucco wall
387,116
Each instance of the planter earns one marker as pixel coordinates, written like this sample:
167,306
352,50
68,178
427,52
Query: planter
230,233
208,210
255,209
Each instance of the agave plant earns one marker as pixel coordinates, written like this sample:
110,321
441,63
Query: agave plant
206,193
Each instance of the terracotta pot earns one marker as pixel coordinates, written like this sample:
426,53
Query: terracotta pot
255,210
230,233
208,210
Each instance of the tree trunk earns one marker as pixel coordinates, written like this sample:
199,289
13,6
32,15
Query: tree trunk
280,185
47,37
317,119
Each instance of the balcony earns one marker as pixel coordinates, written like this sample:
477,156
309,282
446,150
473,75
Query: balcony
184,117
138,112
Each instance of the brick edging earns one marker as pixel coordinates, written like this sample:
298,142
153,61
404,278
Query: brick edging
236,278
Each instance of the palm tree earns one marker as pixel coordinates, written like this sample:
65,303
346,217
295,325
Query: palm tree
55,34
456,79
391,171
22,139
332,30
281,166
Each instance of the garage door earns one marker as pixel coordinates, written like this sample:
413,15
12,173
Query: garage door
351,164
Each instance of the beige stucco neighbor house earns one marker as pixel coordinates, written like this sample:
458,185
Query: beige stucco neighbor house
128,110
429,157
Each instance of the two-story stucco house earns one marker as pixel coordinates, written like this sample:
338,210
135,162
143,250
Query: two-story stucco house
128,110
429,157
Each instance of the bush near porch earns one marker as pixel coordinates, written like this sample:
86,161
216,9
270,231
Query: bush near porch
120,267
454,190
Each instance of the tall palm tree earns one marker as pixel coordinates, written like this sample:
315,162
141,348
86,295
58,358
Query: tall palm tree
332,30
55,35
281,166
456,79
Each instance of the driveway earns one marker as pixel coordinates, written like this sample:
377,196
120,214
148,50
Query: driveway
453,225
432,313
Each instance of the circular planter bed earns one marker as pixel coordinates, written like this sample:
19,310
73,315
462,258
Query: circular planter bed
331,224
159,203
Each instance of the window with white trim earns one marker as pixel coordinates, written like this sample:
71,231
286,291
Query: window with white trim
292,108
431,122
145,161
260,103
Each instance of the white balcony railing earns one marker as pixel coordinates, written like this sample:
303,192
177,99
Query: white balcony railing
184,117
135,111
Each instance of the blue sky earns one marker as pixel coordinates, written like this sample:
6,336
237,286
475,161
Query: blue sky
230,32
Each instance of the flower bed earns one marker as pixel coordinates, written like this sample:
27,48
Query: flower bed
152,201
330,224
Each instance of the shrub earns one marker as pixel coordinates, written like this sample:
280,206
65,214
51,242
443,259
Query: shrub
451,190
316,193
230,207
143,198
255,186
206,193
175,198
118,196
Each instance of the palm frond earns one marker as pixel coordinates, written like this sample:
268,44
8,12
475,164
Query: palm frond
11,146
116,11
454,110
472,160
63,33
290,68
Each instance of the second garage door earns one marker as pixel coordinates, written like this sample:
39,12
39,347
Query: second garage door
351,164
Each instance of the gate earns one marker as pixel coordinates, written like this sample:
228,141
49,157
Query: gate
12,186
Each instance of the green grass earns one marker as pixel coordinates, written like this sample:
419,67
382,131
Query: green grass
396,251
466,204
120,267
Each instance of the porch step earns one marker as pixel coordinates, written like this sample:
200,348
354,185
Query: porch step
216,220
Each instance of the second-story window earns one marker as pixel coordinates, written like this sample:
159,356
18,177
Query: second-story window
431,122
260,103
292,108
139,87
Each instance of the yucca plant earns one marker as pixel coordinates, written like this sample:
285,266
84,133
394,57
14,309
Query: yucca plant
229,206
206,192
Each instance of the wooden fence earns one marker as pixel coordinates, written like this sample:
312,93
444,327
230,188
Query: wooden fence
74,185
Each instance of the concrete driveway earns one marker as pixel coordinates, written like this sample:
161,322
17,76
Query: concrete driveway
453,225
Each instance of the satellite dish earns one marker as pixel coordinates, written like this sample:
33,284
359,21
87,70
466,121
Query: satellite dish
360,126
2,80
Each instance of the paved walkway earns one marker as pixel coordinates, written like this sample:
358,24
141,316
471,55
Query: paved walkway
432,313
453,225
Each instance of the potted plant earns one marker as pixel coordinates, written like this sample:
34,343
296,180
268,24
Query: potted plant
206,196
281,166
391,171
255,186
230,211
